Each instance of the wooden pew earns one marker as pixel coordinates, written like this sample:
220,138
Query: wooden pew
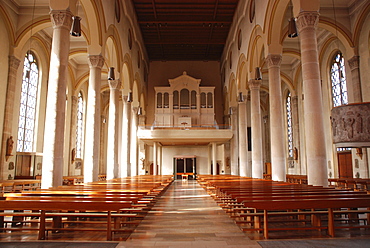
284,199
112,200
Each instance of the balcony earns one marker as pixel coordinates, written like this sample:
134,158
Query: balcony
351,125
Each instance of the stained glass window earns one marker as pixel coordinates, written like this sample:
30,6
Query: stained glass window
338,81
27,109
289,124
79,129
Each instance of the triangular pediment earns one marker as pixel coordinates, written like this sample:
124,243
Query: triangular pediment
184,81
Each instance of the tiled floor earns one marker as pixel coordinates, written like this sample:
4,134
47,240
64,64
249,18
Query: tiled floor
186,216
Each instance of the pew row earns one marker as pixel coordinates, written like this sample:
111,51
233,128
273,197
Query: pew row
254,202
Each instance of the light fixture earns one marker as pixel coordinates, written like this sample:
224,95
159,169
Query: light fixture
140,111
111,73
292,28
129,97
258,73
230,110
76,24
240,97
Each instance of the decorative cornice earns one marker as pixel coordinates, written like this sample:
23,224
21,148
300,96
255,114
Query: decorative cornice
307,19
254,84
61,19
14,62
96,61
114,84
274,60
354,62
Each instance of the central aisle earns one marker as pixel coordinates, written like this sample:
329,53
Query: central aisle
186,216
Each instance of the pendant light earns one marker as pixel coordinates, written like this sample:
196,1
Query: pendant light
76,25
258,74
111,73
292,27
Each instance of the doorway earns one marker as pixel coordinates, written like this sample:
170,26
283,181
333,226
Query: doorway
345,164
185,167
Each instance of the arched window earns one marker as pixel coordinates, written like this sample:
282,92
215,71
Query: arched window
338,81
209,100
193,99
27,109
166,100
203,100
80,125
288,105
184,99
159,100
175,99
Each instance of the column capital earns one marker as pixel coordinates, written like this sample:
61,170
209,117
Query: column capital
274,60
74,99
295,100
114,84
307,19
254,84
354,62
14,62
61,18
96,61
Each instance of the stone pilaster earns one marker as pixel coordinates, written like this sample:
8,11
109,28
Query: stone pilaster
125,167
112,144
354,63
313,109
277,127
8,115
234,150
53,151
245,171
93,118
256,126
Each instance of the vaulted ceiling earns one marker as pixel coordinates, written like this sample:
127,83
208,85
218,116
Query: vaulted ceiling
185,29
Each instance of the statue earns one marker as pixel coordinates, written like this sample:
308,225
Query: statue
9,147
295,153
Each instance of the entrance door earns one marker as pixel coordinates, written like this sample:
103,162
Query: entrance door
345,164
185,166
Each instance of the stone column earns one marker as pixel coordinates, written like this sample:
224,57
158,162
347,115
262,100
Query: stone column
277,127
8,115
155,153
234,142
125,168
354,63
112,144
133,144
209,157
245,171
296,135
53,151
72,134
313,110
214,158
93,120
256,126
